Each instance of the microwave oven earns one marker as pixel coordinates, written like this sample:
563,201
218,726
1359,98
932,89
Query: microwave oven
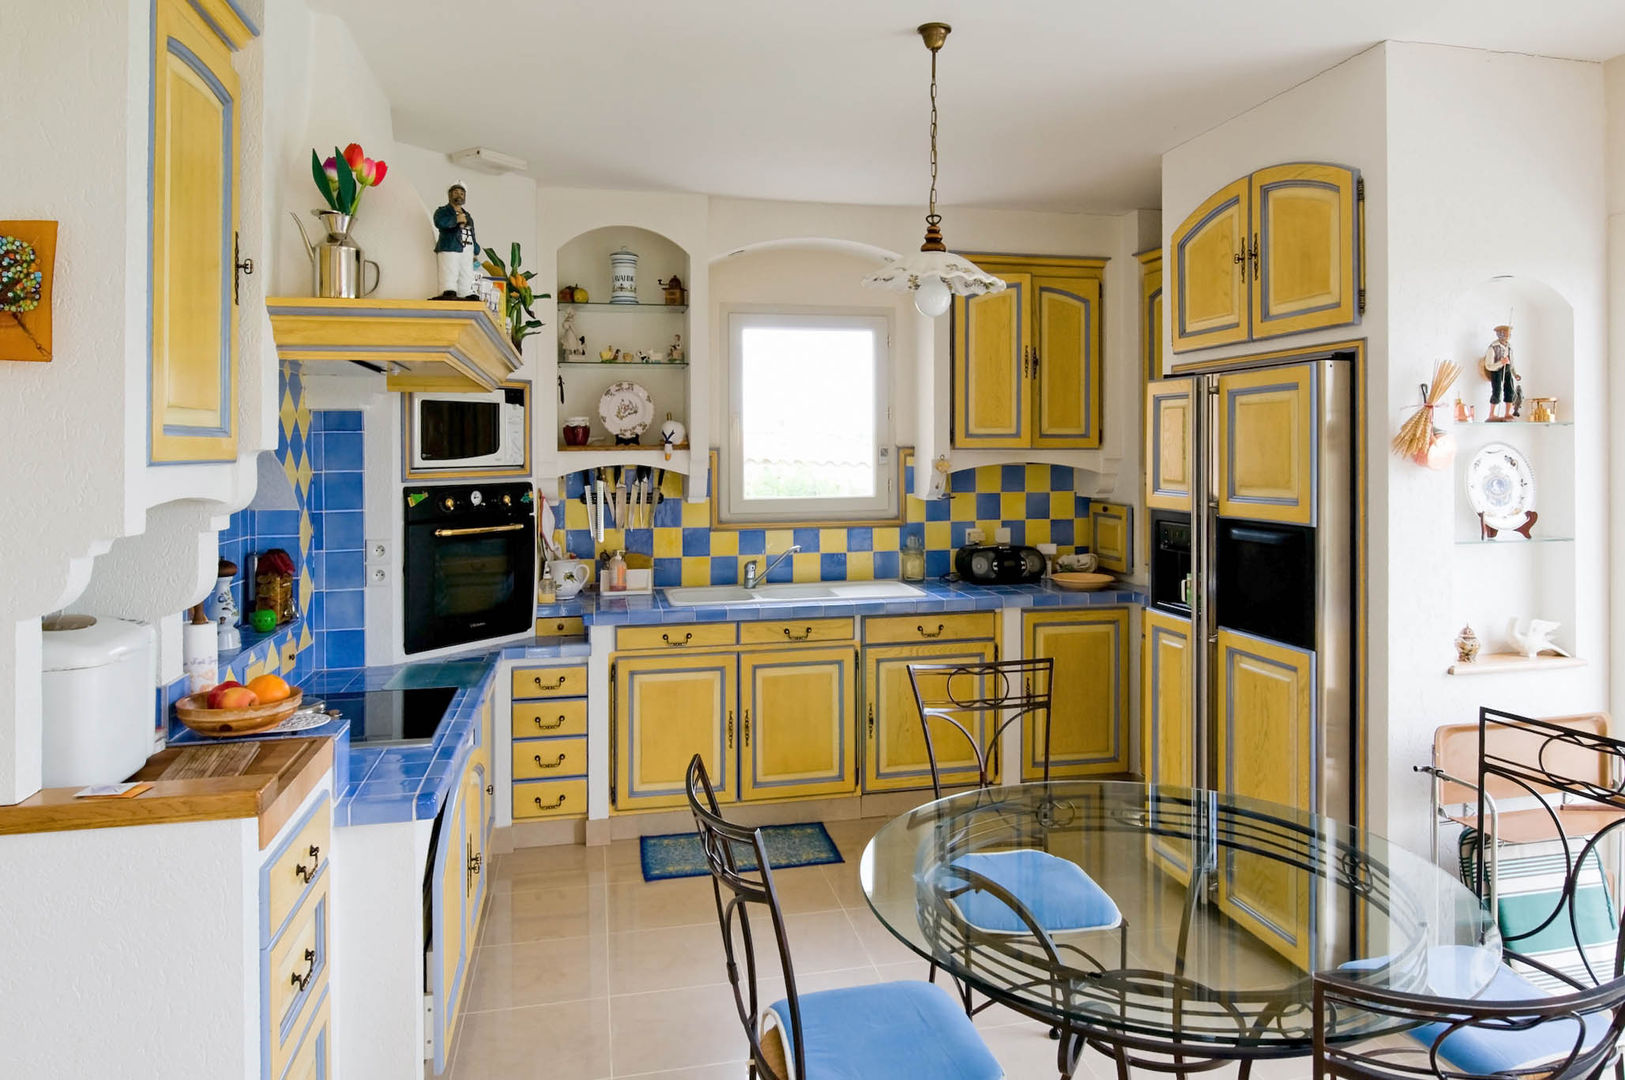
453,432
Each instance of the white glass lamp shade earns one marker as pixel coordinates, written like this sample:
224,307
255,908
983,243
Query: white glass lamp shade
935,277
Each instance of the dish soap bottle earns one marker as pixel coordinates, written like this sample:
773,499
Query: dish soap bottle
615,573
546,591
912,560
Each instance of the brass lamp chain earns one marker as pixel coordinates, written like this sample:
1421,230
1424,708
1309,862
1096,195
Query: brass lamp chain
934,34
931,212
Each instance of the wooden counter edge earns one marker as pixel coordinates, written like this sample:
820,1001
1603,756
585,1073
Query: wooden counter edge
272,797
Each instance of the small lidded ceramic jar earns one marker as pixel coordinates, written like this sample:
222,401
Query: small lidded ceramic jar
1467,645
576,430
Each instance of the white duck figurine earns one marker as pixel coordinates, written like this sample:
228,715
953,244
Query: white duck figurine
1537,640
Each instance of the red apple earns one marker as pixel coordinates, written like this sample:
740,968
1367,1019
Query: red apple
239,697
215,694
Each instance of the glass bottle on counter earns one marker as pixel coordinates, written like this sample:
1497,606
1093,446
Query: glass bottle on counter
615,573
546,591
911,562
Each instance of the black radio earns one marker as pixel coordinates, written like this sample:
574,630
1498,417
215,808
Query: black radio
999,564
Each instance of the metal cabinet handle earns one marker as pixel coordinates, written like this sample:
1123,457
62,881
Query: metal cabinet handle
928,634
871,720
554,726
554,805
490,789
537,679
747,727
803,636
541,765
298,981
677,644
730,729
1253,254
304,873
1026,359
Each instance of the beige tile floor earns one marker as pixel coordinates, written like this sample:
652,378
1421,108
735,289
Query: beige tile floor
586,972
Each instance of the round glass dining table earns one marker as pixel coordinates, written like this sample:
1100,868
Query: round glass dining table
1220,909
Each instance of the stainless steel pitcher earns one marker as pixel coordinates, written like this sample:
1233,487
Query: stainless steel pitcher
336,263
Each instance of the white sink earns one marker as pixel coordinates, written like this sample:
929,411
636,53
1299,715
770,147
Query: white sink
791,593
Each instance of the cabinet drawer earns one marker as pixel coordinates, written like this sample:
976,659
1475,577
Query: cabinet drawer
546,799
930,627
314,1058
543,759
289,873
571,627
295,975
549,682
794,630
538,719
676,636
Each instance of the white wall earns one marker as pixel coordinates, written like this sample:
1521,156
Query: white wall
1476,165
1614,152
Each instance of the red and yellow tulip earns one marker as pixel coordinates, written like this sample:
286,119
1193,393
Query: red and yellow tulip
342,188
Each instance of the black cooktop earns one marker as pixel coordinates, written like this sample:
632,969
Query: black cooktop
393,716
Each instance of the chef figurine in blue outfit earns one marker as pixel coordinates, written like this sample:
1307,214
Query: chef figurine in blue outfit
456,250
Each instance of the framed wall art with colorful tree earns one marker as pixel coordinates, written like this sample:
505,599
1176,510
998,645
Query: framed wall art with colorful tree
27,254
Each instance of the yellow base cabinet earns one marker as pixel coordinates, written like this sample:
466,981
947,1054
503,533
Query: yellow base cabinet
667,708
1167,725
1276,252
797,730
1265,750
549,728
1089,707
458,878
1266,449
1027,361
895,757
1169,433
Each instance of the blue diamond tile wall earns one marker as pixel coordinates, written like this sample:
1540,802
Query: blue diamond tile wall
1037,503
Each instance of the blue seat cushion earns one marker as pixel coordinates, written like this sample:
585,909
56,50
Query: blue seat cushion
890,1031
1487,1052
1055,891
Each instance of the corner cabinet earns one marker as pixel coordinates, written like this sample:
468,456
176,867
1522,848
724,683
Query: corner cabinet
1027,361
1276,252
193,193
1089,707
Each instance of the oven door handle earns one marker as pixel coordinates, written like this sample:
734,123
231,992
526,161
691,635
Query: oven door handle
515,527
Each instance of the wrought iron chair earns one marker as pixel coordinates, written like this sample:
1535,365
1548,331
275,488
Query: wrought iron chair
979,701
890,1031
1555,1010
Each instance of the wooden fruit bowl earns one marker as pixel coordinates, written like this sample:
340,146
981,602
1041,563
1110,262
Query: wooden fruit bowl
224,722
1080,581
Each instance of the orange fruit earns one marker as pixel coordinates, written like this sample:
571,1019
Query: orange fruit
269,688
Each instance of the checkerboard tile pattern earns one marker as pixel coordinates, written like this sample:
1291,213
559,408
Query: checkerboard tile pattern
1037,503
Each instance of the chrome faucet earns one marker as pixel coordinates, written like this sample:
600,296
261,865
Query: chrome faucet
752,579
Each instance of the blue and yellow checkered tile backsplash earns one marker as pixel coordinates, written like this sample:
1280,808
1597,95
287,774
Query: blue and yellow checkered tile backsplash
1037,503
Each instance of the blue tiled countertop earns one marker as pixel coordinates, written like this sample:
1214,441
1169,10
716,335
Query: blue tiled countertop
653,609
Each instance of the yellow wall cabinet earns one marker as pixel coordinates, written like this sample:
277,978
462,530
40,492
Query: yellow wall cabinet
1265,750
1027,361
1089,706
1151,314
1266,450
1169,433
894,746
194,199
458,877
1276,252
1110,535
667,709
797,723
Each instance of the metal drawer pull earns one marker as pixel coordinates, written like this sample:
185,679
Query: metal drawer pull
549,727
537,679
677,644
803,636
299,982
303,873
539,763
926,633
556,803
475,862
480,531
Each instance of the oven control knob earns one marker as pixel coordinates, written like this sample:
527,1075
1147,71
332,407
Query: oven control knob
449,503
507,500
475,498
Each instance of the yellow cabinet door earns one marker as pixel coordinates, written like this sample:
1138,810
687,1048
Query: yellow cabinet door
1266,449
798,723
1265,749
1089,697
478,804
193,349
1109,536
1169,436
1151,315
894,744
449,953
992,357
667,709
1207,287
1066,362
1307,237
1168,728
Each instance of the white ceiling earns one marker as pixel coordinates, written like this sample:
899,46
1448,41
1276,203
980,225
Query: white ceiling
1046,104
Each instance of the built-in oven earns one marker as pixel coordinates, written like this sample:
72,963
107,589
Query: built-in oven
470,564
1265,576
1171,561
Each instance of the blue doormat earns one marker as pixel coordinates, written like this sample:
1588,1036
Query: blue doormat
679,855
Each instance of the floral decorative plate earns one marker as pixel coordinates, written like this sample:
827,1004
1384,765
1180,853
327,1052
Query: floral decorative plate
1501,485
626,409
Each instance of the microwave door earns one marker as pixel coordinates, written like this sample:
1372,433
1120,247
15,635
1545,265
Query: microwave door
449,430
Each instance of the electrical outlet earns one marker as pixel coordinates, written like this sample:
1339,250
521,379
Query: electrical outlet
975,536
377,576
1001,536
377,552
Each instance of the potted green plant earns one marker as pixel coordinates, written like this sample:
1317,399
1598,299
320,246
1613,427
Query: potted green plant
522,321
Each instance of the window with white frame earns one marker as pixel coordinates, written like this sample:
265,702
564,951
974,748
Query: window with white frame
809,433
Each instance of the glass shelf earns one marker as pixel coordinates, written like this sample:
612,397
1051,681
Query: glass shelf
612,365
1475,542
1513,423
600,305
